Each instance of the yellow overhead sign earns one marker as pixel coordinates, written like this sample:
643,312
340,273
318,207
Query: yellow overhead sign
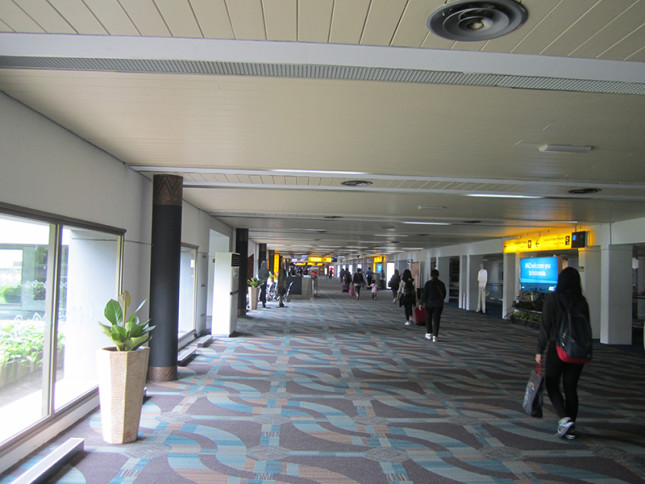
537,242
316,259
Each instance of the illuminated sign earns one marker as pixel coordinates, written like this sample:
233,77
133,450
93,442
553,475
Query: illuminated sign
537,242
314,259
539,270
539,274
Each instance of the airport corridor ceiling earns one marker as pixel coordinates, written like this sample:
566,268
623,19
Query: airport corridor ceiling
347,127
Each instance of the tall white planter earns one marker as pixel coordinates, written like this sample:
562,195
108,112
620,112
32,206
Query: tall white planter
122,378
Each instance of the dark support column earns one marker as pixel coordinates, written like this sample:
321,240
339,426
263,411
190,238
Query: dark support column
242,248
164,276
262,249
271,263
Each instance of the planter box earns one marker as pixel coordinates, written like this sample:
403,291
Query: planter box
122,378
253,297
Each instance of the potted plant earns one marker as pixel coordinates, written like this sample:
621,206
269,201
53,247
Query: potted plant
122,370
254,289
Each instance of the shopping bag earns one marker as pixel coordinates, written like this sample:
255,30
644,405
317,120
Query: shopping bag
533,395
420,316
351,290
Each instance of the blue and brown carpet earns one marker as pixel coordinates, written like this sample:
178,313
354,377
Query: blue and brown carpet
335,390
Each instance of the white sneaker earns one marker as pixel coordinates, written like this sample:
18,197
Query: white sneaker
428,336
564,424
434,339
408,323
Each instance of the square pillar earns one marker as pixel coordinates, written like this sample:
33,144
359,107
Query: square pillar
511,283
616,295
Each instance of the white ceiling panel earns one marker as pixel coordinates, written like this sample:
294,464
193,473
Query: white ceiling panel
423,120
146,17
280,17
46,16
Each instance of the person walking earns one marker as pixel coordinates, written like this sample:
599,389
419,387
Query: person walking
263,275
395,283
433,296
358,281
407,295
557,371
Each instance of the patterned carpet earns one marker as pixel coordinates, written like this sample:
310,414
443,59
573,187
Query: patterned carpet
334,390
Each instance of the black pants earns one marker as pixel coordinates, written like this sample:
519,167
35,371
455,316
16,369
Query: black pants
408,311
263,294
433,319
556,370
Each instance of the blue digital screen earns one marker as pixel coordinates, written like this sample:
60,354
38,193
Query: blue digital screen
379,268
539,274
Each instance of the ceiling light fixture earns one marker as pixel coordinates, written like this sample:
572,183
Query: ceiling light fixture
564,149
431,207
499,195
476,20
427,223
318,172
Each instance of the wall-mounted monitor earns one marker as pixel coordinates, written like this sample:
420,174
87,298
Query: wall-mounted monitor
578,240
539,274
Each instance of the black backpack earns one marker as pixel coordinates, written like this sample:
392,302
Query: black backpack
574,340
408,289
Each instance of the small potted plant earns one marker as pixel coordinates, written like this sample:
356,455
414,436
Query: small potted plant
122,370
254,289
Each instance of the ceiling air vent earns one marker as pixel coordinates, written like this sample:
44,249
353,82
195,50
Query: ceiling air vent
472,20
584,191
356,183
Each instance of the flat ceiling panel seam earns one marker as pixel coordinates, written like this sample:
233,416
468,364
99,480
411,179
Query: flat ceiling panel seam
312,71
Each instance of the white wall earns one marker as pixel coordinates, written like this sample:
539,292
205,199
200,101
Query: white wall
49,169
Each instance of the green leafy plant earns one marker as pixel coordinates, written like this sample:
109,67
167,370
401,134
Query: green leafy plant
127,333
254,282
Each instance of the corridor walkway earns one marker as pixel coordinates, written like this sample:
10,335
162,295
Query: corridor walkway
334,390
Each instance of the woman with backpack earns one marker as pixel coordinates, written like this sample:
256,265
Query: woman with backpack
567,291
407,295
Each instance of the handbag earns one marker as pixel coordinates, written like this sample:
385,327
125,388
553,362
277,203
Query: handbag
534,393
351,290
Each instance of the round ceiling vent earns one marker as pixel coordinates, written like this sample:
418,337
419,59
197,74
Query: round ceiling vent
473,20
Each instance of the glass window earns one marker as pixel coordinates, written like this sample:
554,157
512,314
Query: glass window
24,323
89,275
187,290
54,283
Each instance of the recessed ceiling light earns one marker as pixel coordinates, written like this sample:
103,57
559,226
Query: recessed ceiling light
499,195
427,223
356,183
584,191
319,172
565,148
431,207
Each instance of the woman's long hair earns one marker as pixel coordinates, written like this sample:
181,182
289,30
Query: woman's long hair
569,282
406,275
